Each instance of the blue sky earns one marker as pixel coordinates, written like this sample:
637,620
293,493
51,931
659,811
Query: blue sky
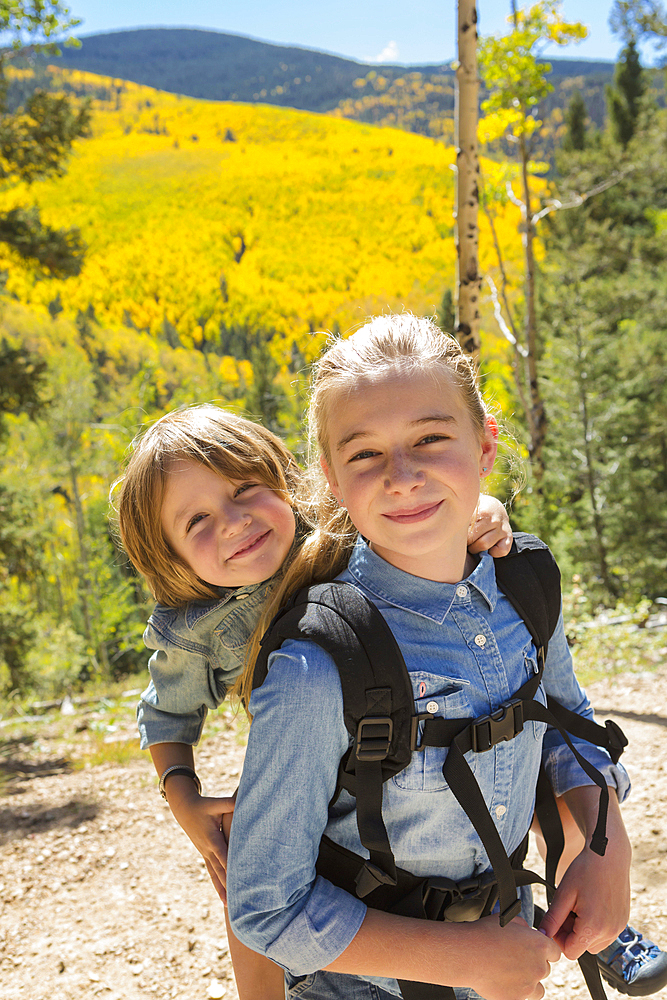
421,31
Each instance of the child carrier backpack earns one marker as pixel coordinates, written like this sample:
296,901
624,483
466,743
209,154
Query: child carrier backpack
379,714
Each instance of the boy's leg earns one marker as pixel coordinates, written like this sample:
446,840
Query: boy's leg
257,978
631,964
333,986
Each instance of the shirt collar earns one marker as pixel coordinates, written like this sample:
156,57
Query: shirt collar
429,598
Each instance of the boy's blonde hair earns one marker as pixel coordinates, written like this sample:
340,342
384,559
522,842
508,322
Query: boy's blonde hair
224,442
393,343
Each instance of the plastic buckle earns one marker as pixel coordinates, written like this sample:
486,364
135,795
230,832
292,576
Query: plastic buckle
373,738
414,731
439,894
503,724
370,877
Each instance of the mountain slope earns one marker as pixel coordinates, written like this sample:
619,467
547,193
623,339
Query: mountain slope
224,67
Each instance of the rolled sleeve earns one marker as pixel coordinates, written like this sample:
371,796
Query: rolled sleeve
560,764
278,905
158,726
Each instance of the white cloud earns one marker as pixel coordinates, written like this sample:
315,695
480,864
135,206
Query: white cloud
389,54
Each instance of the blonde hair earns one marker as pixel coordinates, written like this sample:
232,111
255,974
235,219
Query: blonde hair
387,344
224,442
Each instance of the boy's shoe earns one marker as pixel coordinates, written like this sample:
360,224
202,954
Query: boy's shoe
634,965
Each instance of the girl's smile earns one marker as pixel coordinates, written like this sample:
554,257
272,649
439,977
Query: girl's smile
231,534
406,461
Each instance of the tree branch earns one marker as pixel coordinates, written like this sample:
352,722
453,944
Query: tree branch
579,199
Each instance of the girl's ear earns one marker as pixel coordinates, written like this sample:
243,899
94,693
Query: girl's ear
489,447
333,485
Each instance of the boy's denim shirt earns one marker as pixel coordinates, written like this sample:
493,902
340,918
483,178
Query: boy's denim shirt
199,650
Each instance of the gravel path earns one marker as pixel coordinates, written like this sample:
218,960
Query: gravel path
102,895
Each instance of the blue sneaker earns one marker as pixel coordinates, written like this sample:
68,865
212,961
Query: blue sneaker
634,965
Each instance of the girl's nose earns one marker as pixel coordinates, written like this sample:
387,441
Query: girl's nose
403,474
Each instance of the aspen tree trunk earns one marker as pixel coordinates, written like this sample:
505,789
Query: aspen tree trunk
467,162
537,418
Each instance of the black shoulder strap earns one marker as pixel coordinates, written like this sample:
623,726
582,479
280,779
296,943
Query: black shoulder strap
373,675
529,577
378,703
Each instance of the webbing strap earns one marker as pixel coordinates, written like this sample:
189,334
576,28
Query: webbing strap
462,783
381,868
551,826
591,973
424,991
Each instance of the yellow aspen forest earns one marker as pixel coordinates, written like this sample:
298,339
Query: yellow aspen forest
200,214
222,239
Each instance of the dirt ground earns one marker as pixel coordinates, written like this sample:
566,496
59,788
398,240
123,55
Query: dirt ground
102,895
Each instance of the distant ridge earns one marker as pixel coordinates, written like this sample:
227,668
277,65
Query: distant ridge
223,67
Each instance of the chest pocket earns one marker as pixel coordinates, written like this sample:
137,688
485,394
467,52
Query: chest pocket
441,696
238,624
530,669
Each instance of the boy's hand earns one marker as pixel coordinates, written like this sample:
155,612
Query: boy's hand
490,530
201,818
513,960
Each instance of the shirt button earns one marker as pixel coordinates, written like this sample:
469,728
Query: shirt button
480,640
432,707
500,811
461,591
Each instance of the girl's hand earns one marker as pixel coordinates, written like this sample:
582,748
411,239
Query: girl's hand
591,906
201,818
490,530
592,903
513,960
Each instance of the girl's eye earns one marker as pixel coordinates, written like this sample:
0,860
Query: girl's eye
194,520
432,438
360,455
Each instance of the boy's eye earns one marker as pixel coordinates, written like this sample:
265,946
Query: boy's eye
360,455
243,487
194,520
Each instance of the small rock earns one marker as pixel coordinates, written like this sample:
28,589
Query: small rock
216,990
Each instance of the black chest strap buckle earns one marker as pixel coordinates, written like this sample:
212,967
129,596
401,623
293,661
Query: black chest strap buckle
503,724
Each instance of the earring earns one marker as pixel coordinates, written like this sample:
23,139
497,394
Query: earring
485,469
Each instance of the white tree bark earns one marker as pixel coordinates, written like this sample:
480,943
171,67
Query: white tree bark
469,282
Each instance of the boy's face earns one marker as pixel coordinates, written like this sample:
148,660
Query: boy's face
231,534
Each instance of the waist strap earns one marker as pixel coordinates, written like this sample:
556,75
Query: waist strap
426,898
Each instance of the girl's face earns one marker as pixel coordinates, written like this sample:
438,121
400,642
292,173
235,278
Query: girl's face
406,461
231,534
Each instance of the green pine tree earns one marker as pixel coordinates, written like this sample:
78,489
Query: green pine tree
576,120
624,98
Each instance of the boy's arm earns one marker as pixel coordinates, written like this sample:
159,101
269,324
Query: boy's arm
499,963
490,529
199,816
592,902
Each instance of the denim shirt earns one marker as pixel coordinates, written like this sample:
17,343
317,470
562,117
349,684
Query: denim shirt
199,650
467,651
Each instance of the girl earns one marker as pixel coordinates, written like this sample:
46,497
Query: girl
208,512
405,441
